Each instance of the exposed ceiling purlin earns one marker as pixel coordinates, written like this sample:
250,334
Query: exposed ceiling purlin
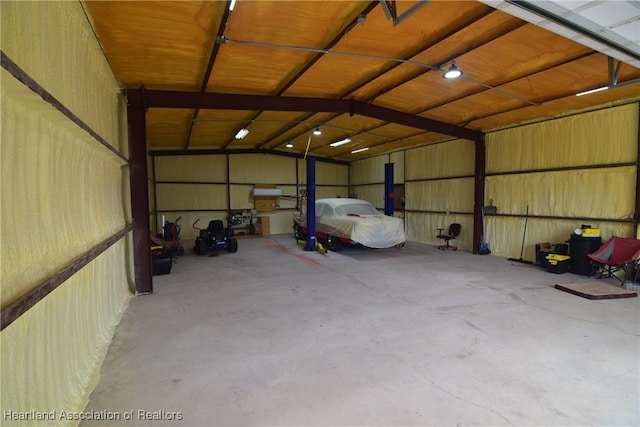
467,122
482,89
313,60
209,69
419,72
468,94
422,49
566,94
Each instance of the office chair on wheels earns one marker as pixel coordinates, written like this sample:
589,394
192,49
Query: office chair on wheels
454,231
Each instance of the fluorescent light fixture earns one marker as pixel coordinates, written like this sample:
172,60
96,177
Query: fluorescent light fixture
232,5
453,72
317,131
359,150
242,133
587,92
339,143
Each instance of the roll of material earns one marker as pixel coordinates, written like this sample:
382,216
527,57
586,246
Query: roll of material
267,192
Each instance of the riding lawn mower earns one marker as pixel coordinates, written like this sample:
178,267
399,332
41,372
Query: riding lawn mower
214,238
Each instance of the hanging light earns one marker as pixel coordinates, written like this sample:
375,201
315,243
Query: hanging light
317,131
359,150
242,133
453,72
289,144
341,142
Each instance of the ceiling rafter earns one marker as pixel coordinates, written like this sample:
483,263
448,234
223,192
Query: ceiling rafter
175,48
316,58
483,89
208,70
393,65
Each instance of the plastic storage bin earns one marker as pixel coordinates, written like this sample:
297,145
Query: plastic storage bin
161,260
558,263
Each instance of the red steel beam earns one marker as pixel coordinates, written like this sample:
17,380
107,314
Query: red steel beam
223,101
139,192
636,214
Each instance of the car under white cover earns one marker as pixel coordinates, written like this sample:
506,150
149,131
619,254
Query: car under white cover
353,221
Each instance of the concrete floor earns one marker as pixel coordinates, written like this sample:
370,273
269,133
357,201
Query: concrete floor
274,335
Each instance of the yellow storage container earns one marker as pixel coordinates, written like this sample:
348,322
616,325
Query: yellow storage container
590,232
558,263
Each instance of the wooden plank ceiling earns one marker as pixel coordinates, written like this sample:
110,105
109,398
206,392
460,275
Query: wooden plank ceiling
514,71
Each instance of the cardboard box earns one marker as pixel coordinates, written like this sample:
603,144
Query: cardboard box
265,224
265,203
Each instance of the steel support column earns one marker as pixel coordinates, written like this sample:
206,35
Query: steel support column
636,214
478,192
311,204
139,192
388,189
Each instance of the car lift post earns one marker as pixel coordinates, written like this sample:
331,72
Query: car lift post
311,204
388,189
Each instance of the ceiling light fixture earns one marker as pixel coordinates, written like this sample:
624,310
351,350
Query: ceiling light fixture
587,92
341,142
242,133
359,150
289,144
453,72
317,131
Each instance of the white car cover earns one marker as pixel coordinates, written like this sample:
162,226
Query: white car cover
356,220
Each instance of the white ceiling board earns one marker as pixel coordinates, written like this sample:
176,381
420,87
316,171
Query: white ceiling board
616,21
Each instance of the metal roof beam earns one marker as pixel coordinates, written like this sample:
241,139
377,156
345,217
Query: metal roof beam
223,101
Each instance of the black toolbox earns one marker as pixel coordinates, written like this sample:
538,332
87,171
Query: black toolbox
162,260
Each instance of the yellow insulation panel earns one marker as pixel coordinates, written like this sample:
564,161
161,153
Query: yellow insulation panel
262,169
369,170
241,196
397,159
47,364
600,137
453,158
423,227
281,222
324,192
209,168
590,193
191,196
505,235
62,192
373,193
446,195
326,173
55,45
331,174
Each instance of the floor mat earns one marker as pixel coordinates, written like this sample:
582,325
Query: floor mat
596,290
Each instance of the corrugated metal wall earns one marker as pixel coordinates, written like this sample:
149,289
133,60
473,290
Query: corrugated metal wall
63,193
